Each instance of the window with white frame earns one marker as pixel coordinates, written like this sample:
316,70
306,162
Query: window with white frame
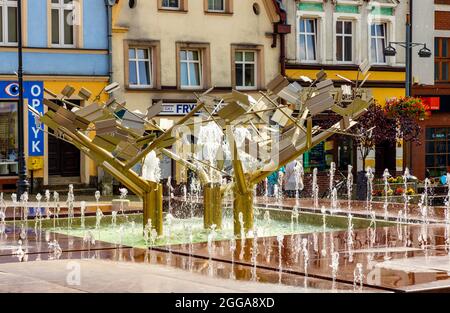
307,42
140,67
245,67
344,41
8,22
190,68
62,23
171,4
378,35
216,5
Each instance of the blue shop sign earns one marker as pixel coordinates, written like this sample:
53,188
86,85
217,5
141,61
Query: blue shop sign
177,108
34,93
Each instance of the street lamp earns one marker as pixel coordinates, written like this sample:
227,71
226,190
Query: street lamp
390,51
22,183
424,52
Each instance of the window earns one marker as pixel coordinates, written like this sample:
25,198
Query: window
442,59
142,64
171,4
8,138
245,63
378,42
190,68
216,5
8,22
140,67
247,66
308,39
62,22
193,65
437,150
344,37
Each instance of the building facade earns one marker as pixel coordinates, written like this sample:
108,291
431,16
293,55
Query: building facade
431,78
337,36
65,43
168,50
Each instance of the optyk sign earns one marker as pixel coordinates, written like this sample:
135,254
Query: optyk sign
34,93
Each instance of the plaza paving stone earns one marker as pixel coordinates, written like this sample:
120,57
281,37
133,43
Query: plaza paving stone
406,258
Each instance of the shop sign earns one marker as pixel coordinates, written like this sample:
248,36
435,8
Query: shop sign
177,108
432,103
35,163
33,93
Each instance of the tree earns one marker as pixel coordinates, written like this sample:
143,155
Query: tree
398,119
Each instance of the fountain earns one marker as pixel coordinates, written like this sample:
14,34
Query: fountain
120,144
387,188
232,251
447,201
82,213
424,202
168,221
24,201
299,176
350,234
294,216
349,187
406,198
70,205
332,173
305,255
334,201
47,197
279,194
14,202
2,215
370,176
170,193
114,218
280,239
241,123
266,189
38,213
57,205
276,192
400,220
315,189
255,252
334,267
358,277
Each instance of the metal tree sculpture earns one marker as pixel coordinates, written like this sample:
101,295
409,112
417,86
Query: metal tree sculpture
253,138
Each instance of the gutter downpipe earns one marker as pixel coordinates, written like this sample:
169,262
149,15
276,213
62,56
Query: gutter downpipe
283,21
109,18
103,174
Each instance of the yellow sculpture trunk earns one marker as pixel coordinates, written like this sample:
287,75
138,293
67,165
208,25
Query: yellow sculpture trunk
243,203
212,206
153,207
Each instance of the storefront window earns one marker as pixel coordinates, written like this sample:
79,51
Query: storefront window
8,138
345,156
437,150
315,158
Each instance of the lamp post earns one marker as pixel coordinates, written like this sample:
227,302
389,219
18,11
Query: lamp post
22,183
424,52
390,51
